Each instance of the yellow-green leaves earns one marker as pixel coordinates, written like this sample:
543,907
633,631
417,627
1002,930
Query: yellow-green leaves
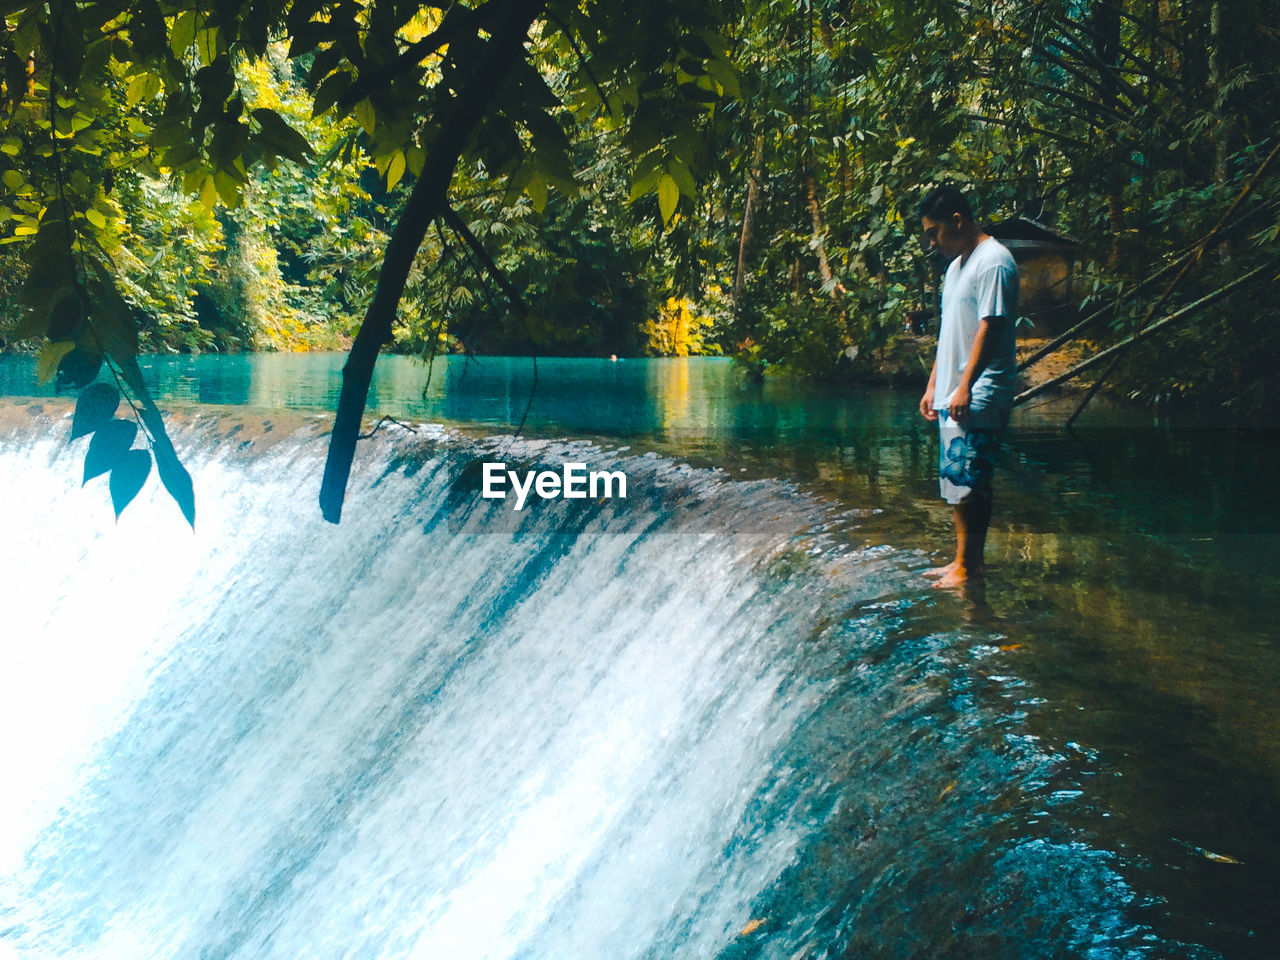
668,177
207,44
366,116
682,176
537,190
50,356
668,195
208,193
142,86
183,33
395,168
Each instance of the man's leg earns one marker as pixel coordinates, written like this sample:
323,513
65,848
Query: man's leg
965,466
973,518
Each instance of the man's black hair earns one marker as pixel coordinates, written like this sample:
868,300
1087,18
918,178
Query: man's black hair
941,202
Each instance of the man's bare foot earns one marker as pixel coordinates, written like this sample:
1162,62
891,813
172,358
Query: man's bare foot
940,571
958,577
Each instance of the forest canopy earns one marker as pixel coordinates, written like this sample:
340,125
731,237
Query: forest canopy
600,177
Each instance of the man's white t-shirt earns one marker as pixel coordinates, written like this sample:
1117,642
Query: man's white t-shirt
985,285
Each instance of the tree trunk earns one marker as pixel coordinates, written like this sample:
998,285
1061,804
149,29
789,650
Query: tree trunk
1106,27
819,233
748,218
427,201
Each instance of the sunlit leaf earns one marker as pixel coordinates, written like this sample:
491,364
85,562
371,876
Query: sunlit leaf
395,169
136,89
668,196
183,33
49,358
683,178
207,44
208,193
537,190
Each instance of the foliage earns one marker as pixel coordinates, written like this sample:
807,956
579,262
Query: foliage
588,177
677,331
1130,127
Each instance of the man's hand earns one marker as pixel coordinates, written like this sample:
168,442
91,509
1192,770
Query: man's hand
926,405
958,410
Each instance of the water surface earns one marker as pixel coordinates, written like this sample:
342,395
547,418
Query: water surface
726,718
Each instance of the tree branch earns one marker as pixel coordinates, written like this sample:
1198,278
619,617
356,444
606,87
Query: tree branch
426,202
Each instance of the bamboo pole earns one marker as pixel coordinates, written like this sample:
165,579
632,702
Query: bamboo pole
1176,262
1142,334
1194,257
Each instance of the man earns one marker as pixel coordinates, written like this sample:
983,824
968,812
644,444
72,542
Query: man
971,388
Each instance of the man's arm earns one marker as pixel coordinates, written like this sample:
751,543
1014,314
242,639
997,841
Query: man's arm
926,402
989,331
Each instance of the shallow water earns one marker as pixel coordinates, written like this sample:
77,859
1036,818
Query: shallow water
725,718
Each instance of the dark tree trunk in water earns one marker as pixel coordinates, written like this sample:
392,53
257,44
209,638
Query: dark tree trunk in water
428,201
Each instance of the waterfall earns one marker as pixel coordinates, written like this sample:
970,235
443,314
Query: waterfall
694,723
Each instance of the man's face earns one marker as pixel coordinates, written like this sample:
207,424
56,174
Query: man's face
945,236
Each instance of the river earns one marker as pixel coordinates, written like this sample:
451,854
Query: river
724,717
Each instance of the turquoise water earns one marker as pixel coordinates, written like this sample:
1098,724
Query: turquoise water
725,718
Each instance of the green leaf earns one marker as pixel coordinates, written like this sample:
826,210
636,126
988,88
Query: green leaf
66,315
726,76
49,358
207,44
110,442
228,189
208,193
183,33
366,116
395,169
329,92
668,196
683,178
648,170
127,478
78,368
537,190
416,159
95,406
280,137
96,56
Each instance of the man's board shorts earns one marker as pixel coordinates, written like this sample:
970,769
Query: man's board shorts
968,455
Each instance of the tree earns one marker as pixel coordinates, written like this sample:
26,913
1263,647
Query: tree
95,90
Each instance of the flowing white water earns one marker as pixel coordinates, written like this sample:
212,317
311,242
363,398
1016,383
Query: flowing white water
384,739
405,737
